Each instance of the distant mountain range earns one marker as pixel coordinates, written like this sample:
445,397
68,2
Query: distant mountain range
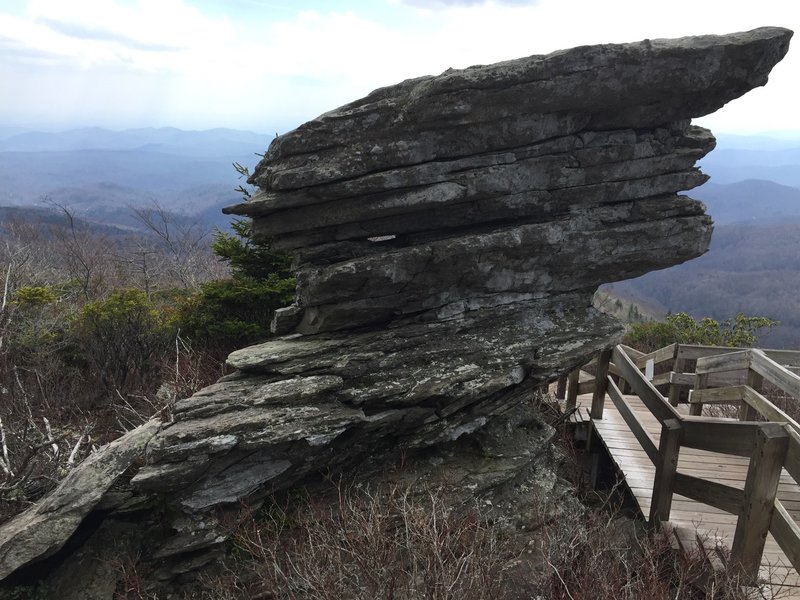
97,172
223,143
730,166
753,264
749,201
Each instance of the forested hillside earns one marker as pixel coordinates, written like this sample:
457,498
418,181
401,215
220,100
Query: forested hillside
752,266
750,269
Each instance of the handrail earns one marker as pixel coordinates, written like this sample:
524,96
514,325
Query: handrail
632,352
657,356
645,440
776,374
720,435
792,462
771,446
718,495
677,382
767,409
721,363
759,365
650,396
680,353
786,532
697,351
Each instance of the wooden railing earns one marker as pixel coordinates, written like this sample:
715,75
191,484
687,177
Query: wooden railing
771,444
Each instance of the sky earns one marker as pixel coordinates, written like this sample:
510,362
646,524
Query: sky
269,65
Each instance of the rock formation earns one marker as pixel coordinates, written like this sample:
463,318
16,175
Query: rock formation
448,234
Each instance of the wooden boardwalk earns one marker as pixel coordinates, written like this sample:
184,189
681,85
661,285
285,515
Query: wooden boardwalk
691,519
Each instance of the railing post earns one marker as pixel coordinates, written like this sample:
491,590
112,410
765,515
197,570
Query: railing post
758,502
600,384
674,389
572,389
701,382
755,381
561,387
669,447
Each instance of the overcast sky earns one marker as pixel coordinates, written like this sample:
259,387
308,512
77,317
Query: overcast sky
268,65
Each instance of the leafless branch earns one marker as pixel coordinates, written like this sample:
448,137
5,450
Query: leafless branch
75,449
50,439
5,463
5,287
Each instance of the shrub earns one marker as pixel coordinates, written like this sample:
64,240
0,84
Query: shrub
740,331
117,339
35,326
246,257
596,560
231,313
34,296
366,544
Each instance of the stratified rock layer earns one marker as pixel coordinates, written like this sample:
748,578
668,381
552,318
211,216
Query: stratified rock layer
448,234
501,183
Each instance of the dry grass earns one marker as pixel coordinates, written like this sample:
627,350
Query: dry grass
364,545
47,428
595,561
401,544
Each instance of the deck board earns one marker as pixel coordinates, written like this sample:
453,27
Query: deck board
690,518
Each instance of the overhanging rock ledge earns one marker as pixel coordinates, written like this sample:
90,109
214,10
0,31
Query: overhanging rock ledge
448,234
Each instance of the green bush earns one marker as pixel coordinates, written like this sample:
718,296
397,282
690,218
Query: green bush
34,329
119,338
739,331
248,258
34,296
230,313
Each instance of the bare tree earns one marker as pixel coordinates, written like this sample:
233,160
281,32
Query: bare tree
87,254
184,245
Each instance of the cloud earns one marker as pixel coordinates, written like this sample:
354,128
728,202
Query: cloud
188,62
433,4
89,32
14,51
147,36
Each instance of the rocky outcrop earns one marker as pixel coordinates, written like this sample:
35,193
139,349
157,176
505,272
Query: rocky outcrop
43,529
478,187
448,234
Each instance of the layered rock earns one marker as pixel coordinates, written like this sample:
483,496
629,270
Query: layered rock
487,179
448,234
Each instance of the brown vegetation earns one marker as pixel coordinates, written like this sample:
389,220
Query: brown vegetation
91,340
404,544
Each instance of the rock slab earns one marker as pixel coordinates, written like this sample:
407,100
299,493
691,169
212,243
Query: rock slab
43,529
